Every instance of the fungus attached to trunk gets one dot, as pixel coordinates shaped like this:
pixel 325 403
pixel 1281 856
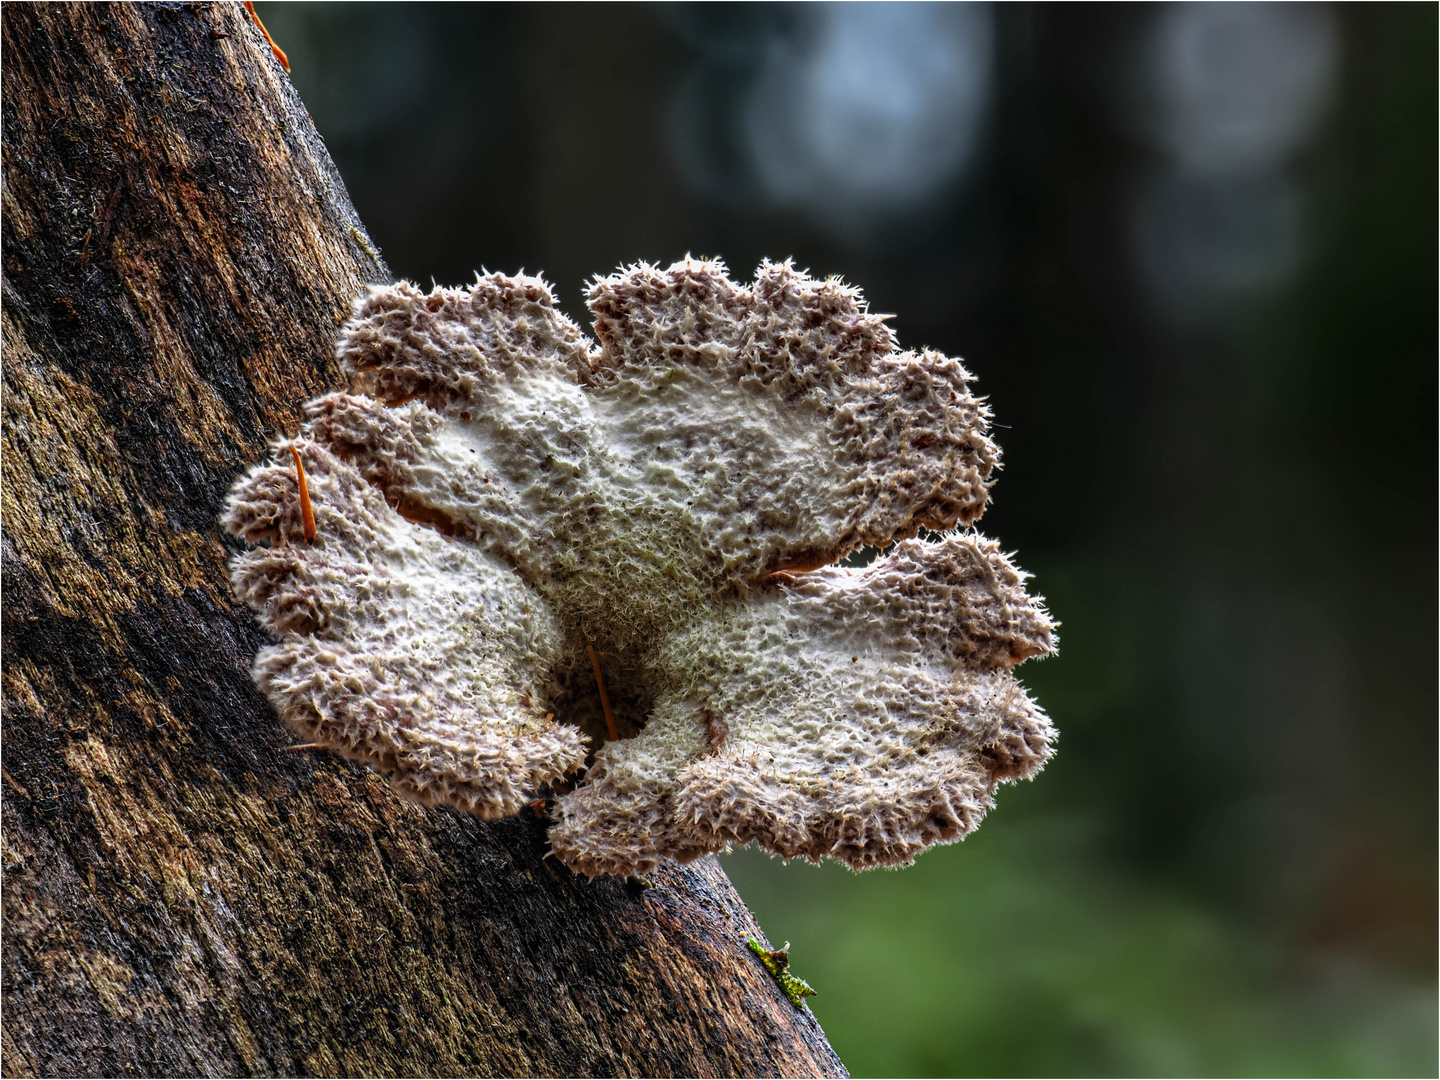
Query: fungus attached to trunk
pixel 506 514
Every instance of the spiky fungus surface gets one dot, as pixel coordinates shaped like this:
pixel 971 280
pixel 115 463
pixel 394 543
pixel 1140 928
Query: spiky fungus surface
pixel 497 494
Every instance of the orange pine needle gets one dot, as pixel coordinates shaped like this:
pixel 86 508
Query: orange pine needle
pixel 305 746
pixel 279 52
pixel 604 697
pixel 306 514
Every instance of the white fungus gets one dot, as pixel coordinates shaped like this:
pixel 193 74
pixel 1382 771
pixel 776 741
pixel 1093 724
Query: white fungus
pixel 498 495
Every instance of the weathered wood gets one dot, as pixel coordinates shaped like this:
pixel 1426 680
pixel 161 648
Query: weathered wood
pixel 181 896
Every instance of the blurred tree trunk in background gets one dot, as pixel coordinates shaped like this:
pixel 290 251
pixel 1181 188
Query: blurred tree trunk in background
pixel 181 897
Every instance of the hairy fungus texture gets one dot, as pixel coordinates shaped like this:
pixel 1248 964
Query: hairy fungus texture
pixel 497 497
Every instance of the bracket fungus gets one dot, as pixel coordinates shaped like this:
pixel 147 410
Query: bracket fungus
pixel 506 513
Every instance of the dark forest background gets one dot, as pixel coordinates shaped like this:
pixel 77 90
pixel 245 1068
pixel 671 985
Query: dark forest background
pixel 1190 253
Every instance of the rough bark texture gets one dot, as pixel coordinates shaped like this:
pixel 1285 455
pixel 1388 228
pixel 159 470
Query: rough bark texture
pixel 181 895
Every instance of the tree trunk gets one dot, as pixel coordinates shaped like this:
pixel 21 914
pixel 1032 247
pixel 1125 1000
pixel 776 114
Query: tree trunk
pixel 181 895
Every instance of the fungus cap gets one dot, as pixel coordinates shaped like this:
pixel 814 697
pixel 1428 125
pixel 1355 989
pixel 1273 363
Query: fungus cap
pixel 497 495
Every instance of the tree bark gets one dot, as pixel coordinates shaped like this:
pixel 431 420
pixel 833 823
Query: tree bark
pixel 181 895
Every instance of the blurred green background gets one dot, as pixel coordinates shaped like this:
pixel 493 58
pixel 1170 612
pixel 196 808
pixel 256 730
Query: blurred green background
pixel 1190 253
